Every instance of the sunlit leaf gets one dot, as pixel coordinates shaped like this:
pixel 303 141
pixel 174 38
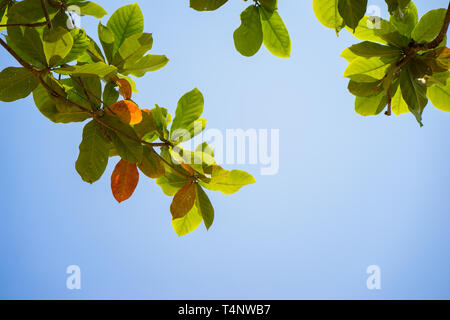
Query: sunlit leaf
pixel 188 223
pixel 327 13
pixel 275 34
pixel 189 108
pixel 125 22
pixel 439 96
pixel 429 26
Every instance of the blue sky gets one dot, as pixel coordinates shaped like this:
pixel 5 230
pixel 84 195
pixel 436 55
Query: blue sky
pixel 351 191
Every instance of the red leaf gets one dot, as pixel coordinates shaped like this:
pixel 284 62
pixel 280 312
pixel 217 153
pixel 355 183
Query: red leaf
pixel 124 180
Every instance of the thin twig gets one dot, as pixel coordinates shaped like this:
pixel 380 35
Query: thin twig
pixel 389 97
pixel 47 16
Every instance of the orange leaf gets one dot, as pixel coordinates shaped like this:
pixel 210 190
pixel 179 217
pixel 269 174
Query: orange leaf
pixel 124 180
pixel 127 111
pixel 124 88
pixel 183 201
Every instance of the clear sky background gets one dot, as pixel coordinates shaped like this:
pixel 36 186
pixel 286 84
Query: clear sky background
pixel 351 191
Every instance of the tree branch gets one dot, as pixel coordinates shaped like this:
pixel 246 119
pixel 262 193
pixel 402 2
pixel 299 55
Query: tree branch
pixel 38 73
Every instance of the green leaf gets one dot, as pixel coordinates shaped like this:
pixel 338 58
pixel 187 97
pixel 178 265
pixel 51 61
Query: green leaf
pixel 91 9
pixel 16 83
pixel 93 88
pixel 398 104
pixel 57 44
pixel 151 164
pixel 147 127
pixel 93 53
pixel 227 182
pixel 107 39
pixel 94 153
pixel 110 94
pixel 30 11
pixel 3 8
pixel 372 29
pixel 146 64
pixel 188 223
pixel 429 26
pixel 352 11
pixel 440 78
pixel 128 146
pixel 374 67
pixel 56 110
pixel 405 19
pixel 4 17
pixel 197 160
pixel 364 89
pixel 133 48
pixel 372 105
pixel 28 44
pixel 248 38
pixel 205 148
pixel 206 5
pixel 204 206
pixel 80 45
pixel 99 69
pixel 348 55
pixel 397 5
pixel 270 5
pixel 125 22
pixel 327 13
pixel 439 96
pixel 192 130
pixel 379 30
pixel 160 117
pixel 414 92
pixel 189 108
pixel 275 35
pixel 369 49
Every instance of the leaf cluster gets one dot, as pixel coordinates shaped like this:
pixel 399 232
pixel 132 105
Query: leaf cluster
pixel 73 79
pixel 260 24
pixel 401 63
